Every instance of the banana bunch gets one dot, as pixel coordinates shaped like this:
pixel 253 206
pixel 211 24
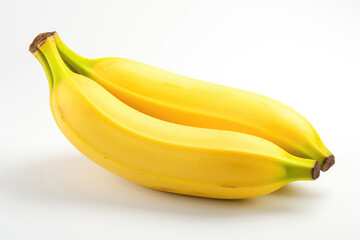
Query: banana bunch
pixel 174 133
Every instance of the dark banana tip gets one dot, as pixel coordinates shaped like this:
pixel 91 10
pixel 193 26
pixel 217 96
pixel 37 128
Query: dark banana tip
pixel 39 38
pixel 315 172
pixel 328 163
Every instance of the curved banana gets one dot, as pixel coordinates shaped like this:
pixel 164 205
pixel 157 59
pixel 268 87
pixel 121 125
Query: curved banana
pixel 159 154
pixel 175 98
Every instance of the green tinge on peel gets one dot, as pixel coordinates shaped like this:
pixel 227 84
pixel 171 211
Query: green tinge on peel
pixel 44 63
pixel 57 65
pixel 78 63
pixel 49 57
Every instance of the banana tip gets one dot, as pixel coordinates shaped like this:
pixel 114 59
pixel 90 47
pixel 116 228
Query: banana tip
pixel 328 163
pixel 39 38
pixel 316 171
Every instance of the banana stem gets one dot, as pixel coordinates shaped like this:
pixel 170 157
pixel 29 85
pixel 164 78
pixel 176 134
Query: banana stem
pixel 58 68
pixel 81 64
pixel 302 169
pixel 42 59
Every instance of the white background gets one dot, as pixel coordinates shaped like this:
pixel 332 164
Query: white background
pixel 303 53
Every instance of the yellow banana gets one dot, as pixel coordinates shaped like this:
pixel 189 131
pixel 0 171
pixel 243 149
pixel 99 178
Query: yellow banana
pixel 158 154
pixel 178 99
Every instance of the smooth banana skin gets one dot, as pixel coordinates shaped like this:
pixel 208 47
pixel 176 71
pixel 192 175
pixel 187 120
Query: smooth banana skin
pixel 158 154
pixel 178 99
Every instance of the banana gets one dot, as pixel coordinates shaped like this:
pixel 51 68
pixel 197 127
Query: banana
pixel 178 99
pixel 158 154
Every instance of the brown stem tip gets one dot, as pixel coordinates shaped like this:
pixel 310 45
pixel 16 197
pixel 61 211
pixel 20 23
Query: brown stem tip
pixel 328 163
pixel 315 172
pixel 39 38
